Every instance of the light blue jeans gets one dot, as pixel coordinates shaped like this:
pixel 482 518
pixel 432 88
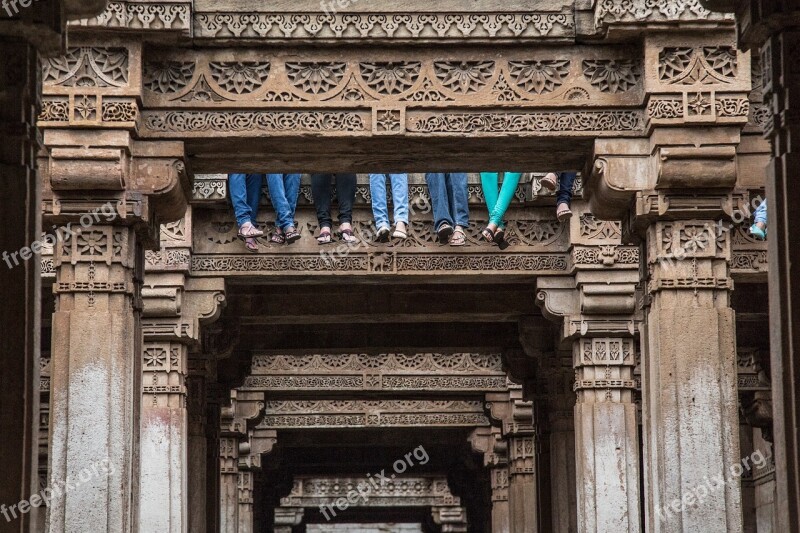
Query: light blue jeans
pixel 380 209
pixel 283 191
pixel 245 191
pixel 761 213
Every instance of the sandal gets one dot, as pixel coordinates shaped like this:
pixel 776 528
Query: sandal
pixel 444 233
pixel 292 235
pixel 563 212
pixel 382 235
pixel 325 236
pixel 487 235
pixel 459 238
pixel 347 236
pixel 550 181
pixel 251 244
pixel 249 231
pixel 278 238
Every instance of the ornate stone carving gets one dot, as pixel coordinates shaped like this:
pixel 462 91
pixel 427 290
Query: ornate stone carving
pixel 539 77
pixel 387 78
pixel 310 491
pixel 142 16
pixel 610 11
pixel 265 121
pixel 165 77
pixel 706 65
pixel 522 123
pixel 612 75
pixel 464 77
pixel 87 67
pixel 372 413
pixel 242 77
pixel 385 26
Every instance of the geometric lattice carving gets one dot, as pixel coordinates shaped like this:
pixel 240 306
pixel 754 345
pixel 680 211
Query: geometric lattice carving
pixel 400 491
pixel 706 65
pixel 87 67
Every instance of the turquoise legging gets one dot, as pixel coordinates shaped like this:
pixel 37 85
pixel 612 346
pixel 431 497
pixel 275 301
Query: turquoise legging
pixel 499 198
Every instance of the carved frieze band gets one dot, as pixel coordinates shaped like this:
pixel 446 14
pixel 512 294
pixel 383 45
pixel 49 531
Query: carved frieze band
pixel 646 11
pixel 372 413
pixel 401 491
pixel 175 16
pixel 396 27
pixel 383 371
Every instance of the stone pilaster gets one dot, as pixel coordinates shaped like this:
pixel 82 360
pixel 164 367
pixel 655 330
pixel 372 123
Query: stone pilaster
pixel 286 518
pixel 489 442
pixel 517 429
pixel 596 310
pixel 197 449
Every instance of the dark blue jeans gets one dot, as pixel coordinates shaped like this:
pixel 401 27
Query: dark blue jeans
pixel 245 191
pixel 566 180
pixel 345 195
pixel 449 199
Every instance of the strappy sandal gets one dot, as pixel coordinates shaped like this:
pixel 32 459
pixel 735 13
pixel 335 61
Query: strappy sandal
pixel 550 181
pixel 444 233
pixel 249 231
pixel 347 236
pixel 278 238
pixel 325 236
pixel 251 244
pixel 487 235
pixel 459 238
pixel 563 212
pixel 500 238
pixel 292 235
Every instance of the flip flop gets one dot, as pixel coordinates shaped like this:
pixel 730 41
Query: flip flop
pixel 444 233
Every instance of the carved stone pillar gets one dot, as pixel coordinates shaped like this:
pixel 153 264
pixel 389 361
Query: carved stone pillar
pixel 175 307
pixel 597 312
pixel 779 61
pixel 489 442
pixel 244 407
pixel 561 405
pixel 20 288
pixel 450 519
pixel 197 445
pixel 245 502
pixel 516 417
pixel 688 373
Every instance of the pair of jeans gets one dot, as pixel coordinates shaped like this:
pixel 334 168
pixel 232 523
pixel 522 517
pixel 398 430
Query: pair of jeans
pixel 283 191
pixel 380 209
pixel 245 191
pixel 449 198
pixel 565 182
pixel 761 213
pixel 499 198
pixel 345 195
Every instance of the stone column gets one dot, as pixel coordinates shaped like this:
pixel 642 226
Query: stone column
pixel 95 380
pixel 175 307
pixel 561 405
pixel 596 310
pixel 286 518
pixel 489 442
pixel 20 288
pixel 197 449
pixel 522 489
pixel 688 374
pixel 782 96
pixel 228 484
pixel 450 519
pixel 245 502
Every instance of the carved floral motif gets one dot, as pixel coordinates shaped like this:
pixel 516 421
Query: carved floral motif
pixel 87 67
pixel 165 77
pixel 612 75
pixel 242 77
pixel 706 65
pixel 543 76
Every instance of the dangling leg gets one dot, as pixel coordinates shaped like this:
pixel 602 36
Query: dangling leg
pixel 507 192
pixel 490 194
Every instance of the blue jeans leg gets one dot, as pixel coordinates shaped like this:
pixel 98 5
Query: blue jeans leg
pixel 457 190
pixel 439 199
pixel 245 191
pixel 380 209
pixel 400 197
pixel 565 182
pixel 283 192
